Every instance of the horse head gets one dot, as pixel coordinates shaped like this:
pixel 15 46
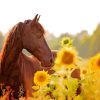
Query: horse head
pixel 33 40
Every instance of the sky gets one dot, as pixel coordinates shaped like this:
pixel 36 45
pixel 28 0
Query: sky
pixel 57 16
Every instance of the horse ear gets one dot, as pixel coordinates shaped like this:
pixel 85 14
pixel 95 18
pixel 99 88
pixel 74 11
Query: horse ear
pixel 36 19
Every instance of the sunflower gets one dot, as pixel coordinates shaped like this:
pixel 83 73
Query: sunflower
pixel 94 62
pixel 66 41
pixel 41 78
pixel 66 56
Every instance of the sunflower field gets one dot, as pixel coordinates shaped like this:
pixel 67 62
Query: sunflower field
pixel 73 77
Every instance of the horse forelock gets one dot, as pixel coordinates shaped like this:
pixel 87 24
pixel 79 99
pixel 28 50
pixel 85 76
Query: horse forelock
pixel 27 21
pixel 37 24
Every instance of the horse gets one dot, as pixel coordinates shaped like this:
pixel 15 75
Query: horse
pixel 15 67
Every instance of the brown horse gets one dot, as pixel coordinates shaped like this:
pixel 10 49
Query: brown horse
pixel 17 68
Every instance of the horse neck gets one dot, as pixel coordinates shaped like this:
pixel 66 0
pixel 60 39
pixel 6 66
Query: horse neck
pixel 11 50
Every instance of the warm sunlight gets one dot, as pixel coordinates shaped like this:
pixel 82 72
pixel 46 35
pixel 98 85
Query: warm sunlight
pixel 49 50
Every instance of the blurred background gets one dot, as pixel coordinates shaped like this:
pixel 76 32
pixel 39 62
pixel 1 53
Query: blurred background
pixel 77 19
pixel 87 45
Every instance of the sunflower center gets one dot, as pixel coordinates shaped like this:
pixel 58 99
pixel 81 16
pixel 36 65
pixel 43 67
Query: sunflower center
pixel 41 78
pixel 66 41
pixel 67 58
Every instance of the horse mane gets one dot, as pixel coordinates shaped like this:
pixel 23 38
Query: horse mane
pixel 13 37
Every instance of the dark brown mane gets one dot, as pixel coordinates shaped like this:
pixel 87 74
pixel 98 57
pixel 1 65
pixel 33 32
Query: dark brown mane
pixel 10 42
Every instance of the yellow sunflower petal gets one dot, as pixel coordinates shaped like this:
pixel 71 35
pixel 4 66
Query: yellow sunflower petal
pixel 41 78
pixel 94 62
pixel 66 56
